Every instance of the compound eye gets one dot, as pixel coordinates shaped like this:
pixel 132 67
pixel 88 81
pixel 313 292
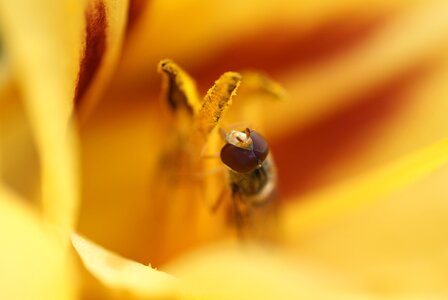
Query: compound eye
pixel 260 145
pixel 238 159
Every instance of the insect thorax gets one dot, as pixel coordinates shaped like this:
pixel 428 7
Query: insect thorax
pixel 254 187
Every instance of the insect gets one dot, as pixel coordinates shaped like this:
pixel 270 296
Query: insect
pixel 184 173
pixel 252 180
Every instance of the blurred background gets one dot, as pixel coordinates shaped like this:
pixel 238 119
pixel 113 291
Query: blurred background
pixel 366 84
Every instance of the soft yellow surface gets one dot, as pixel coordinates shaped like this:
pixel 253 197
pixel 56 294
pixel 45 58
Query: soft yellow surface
pixel 122 275
pixel 327 204
pixel 233 271
pixel 33 263
pixel 42 39
pixel 394 247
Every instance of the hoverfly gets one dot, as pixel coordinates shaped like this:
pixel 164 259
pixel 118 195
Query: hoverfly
pixel 251 175
pixel 252 179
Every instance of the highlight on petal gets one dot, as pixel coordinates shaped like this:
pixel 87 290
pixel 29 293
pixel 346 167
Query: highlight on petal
pixel 324 206
pixel 233 271
pixel 120 275
pixel 225 271
pixel 43 42
pixel 33 263
pixel 396 246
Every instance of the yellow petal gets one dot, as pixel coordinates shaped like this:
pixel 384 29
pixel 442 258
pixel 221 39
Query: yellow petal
pixel 353 271
pixel 391 120
pixel 234 271
pixel 74 47
pixel 43 42
pixel 34 265
pixel 18 152
pixel 104 144
pixel 183 36
pixel 123 276
pixel 19 162
pixel 414 38
pixel 327 205
pixel 393 247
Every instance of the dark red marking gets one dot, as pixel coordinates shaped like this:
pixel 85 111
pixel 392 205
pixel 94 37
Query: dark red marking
pixel 285 49
pixel 136 8
pixel 275 49
pixel 305 156
pixel 95 47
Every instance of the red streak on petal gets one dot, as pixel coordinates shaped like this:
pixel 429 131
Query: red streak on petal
pixel 95 47
pixel 276 48
pixel 136 8
pixel 304 156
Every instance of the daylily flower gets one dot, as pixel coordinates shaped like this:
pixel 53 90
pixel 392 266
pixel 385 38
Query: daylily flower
pixel 89 208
